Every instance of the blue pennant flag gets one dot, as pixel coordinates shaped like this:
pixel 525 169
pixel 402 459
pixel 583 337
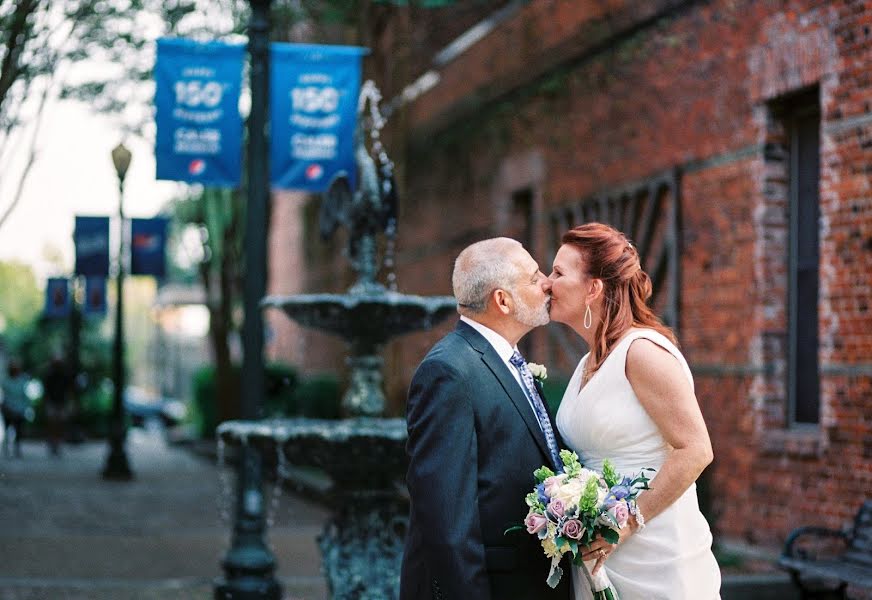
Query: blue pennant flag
pixel 313 102
pixel 91 237
pixel 148 246
pixel 199 128
pixel 57 297
pixel 95 296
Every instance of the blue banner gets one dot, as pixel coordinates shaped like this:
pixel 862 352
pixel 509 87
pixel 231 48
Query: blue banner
pixel 95 296
pixel 57 297
pixel 91 238
pixel 199 128
pixel 148 246
pixel 313 102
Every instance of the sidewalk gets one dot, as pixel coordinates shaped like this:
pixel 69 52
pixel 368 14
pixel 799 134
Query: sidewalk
pixel 67 534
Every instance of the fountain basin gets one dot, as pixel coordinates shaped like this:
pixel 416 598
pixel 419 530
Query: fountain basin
pixel 374 317
pixel 356 454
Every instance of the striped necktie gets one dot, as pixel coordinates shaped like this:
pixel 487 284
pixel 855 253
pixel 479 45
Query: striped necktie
pixel 538 407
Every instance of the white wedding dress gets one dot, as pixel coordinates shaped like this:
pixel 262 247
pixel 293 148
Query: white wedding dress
pixel 671 557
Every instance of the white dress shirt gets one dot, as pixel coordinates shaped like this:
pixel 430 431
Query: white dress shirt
pixel 505 351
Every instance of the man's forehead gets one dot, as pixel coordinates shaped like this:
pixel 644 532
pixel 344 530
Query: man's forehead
pixel 526 262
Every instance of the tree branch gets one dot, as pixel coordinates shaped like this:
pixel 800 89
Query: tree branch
pixel 10 67
pixel 31 157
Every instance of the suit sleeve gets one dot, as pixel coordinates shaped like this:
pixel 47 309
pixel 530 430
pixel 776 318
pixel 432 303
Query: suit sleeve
pixel 443 480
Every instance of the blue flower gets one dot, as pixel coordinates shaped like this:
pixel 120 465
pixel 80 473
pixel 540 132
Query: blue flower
pixel 620 491
pixel 543 497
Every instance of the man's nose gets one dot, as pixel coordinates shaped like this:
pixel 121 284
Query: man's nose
pixel 546 284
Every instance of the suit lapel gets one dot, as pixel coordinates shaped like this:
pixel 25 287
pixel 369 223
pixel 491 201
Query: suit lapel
pixel 508 382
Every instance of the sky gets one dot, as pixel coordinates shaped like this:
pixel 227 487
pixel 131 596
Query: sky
pixel 73 174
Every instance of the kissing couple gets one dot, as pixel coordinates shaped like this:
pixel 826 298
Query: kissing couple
pixel 479 426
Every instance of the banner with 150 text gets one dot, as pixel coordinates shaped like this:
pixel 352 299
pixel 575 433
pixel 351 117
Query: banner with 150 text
pixel 199 128
pixel 313 105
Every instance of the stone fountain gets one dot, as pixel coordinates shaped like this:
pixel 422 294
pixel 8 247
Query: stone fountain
pixel 362 453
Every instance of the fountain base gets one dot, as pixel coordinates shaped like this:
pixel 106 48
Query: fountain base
pixel 364 459
pixel 362 547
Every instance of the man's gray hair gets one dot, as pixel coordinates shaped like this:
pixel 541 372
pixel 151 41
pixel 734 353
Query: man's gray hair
pixel 482 268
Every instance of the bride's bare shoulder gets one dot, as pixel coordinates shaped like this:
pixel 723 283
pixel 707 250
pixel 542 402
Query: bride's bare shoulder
pixel 649 361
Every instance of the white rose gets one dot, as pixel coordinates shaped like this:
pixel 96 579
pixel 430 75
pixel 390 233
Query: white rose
pixel 586 474
pixel 569 492
pixel 538 371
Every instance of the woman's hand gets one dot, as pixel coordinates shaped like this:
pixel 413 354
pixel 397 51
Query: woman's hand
pixel 600 549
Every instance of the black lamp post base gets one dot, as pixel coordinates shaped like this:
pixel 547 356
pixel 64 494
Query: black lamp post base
pixel 117 468
pixel 248 588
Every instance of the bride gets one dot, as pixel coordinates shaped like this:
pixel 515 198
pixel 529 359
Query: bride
pixel 631 400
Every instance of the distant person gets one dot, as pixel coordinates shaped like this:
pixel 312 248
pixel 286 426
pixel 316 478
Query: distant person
pixel 14 408
pixel 57 383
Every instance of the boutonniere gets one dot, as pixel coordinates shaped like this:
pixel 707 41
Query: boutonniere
pixel 539 372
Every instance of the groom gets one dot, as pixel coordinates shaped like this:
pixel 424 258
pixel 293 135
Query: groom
pixel 478 429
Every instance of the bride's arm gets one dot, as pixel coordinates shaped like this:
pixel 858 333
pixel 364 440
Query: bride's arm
pixel 665 392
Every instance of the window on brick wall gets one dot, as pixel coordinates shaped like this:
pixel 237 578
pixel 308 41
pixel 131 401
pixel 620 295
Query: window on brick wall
pixel 801 120
pixel 520 227
pixel 520 223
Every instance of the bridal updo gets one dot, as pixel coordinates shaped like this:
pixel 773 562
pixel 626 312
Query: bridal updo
pixel 608 255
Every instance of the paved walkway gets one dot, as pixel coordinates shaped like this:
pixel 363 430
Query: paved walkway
pixel 67 534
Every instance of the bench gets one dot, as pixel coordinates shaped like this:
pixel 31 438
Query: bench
pixel 852 566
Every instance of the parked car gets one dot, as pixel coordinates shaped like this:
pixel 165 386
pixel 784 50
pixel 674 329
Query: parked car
pixel 143 407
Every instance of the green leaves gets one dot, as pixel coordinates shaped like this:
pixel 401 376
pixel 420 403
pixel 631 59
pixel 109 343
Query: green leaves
pixel 610 535
pixel 610 476
pixel 590 496
pixel 641 481
pixel 570 462
pixel 542 473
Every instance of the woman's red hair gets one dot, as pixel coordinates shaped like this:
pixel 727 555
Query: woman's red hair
pixel 608 255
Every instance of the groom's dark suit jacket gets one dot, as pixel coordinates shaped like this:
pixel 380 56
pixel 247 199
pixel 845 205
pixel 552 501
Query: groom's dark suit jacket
pixel 473 445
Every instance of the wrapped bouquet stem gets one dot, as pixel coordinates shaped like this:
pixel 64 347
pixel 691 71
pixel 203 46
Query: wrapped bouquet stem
pixel 569 510
pixel 600 584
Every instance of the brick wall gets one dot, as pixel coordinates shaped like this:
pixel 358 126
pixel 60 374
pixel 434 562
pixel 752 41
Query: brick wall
pixel 611 93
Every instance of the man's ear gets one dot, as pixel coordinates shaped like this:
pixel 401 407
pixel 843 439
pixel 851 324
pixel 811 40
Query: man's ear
pixel 502 300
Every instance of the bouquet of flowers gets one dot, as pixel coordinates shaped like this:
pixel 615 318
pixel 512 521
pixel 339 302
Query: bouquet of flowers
pixel 569 510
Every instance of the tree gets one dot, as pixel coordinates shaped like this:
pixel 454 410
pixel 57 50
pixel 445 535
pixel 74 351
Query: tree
pixel 219 216
pixel 42 41
pixel 20 301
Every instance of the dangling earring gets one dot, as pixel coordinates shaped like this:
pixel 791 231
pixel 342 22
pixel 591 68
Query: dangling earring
pixel 588 318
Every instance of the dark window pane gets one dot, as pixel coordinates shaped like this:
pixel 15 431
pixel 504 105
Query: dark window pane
pixel 803 124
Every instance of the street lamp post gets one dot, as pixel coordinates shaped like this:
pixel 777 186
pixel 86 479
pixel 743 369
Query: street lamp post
pixel 249 565
pixel 74 359
pixel 117 467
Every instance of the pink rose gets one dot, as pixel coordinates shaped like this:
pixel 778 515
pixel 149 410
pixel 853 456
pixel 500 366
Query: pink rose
pixel 535 522
pixel 620 513
pixel 556 507
pixel 553 483
pixel 572 529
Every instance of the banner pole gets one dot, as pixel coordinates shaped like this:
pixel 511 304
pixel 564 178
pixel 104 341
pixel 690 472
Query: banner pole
pixel 249 565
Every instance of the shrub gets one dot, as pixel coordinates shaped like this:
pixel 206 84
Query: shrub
pixel 280 382
pixel 318 397
pixel 96 407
